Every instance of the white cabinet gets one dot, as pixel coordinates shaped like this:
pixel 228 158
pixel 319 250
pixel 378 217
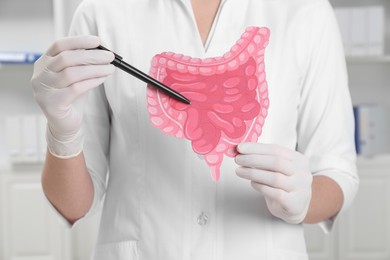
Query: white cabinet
pixel 369 76
pixel 363 232
pixel 29 229
pixel 33 25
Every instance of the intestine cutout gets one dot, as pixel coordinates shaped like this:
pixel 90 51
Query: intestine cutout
pixel 229 97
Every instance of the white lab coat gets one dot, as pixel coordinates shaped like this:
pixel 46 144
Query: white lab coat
pixel 159 199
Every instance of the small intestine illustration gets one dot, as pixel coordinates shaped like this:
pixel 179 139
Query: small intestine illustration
pixel 229 97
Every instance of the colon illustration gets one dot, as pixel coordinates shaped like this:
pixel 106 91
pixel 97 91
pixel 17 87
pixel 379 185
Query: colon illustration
pixel 229 97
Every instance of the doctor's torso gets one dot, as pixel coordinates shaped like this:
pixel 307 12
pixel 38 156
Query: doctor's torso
pixel 160 200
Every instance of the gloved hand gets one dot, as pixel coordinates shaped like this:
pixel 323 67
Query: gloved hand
pixel 282 175
pixel 61 78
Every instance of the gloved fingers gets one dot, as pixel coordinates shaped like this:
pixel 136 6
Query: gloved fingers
pixel 73 43
pixel 271 179
pixel 266 149
pixel 277 195
pixel 67 96
pixel 52 101
pixel 289 206
pixel 80 88
pixel 281 200
pixel 72 75
pixel 272 157
pixel 62 102
pixel 73 58
pixel 266 162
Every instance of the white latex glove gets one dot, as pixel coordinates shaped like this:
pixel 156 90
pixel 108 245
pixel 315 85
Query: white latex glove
pixel 282 175
pixel 61 78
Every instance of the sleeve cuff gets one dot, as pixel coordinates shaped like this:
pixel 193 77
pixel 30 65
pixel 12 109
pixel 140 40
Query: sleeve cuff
pixel 327 225
pixel 64 150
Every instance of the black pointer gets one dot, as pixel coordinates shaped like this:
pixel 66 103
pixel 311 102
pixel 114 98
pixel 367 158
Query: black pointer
pixel 119 63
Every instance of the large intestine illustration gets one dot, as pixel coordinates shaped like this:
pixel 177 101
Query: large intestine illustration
pixel 229 97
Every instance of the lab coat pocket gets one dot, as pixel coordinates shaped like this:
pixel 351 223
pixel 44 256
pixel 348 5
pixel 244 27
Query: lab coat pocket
pixel 125 250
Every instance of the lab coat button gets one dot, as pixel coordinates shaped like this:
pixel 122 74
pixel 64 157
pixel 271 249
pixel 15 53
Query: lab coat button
pixel 202 219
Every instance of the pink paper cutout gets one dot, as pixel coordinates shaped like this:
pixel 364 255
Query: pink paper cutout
pixel 229 97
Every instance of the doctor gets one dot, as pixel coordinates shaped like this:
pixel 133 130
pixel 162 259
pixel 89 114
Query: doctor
pixel 159 201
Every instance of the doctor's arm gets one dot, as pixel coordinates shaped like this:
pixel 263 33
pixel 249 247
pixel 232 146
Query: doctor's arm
pixel 326 201
pixel 318 180
pixel 68 186
pixel 62 77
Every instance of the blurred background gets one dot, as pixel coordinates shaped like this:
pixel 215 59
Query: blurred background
pixel 29 230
